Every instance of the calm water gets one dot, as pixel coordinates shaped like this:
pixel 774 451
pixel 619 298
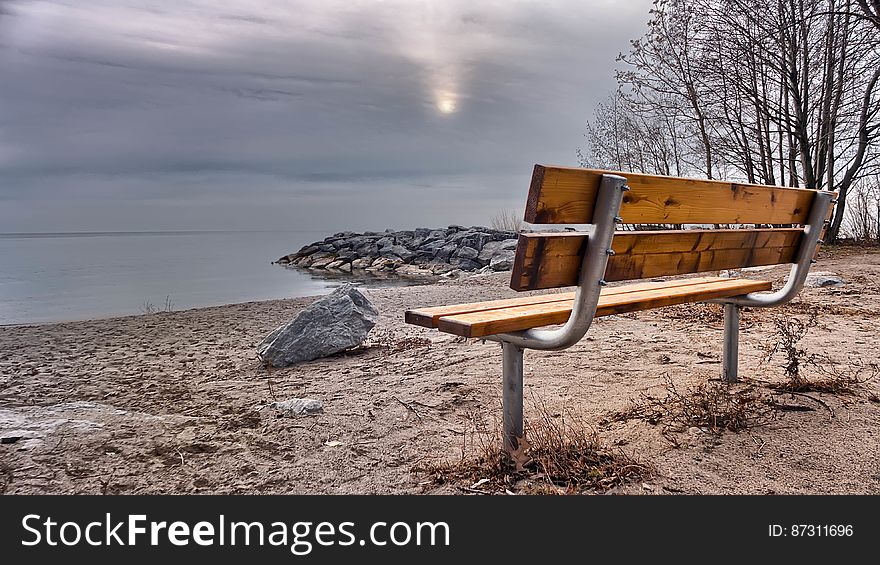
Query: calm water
pixel 59 277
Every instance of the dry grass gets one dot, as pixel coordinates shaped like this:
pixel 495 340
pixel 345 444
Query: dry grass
pixel 830 377
pixel 393 342
pixel 715 406
pixel 564 457
pixel 711 315
pixel 789 333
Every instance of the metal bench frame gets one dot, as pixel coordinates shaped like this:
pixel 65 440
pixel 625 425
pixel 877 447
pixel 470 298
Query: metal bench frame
pixel 605 219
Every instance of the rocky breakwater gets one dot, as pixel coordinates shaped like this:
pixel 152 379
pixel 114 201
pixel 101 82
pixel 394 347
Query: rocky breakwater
pixel 421 251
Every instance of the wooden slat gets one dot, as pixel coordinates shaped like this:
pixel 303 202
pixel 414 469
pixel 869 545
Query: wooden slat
pixel 561 195
pixel 429 317
pixel 480 324
pixel 552 260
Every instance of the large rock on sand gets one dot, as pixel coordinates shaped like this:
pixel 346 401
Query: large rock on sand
pixel 340 320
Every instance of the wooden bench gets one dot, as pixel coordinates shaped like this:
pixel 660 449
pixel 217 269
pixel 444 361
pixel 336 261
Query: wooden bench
pixel 596 203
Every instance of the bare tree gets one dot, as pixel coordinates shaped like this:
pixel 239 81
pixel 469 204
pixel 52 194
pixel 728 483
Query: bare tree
pixel 665 68
pixel 863 213
pixel 782 93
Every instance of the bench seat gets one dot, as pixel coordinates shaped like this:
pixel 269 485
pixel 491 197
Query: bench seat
pixel 481 319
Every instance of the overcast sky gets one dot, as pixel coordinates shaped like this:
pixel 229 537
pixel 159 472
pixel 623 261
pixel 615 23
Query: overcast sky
pixel 300 114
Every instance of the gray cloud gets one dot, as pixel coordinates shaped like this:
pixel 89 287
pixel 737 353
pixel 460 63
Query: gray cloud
pixel 329 114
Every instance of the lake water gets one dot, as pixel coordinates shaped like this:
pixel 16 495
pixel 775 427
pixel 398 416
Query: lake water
pixel 62 277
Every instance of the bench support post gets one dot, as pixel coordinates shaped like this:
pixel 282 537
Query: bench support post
pixel 731 343
pixel 512 397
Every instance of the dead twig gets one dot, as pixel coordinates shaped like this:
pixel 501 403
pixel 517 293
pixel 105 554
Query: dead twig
pixel 813 398
pixel 408 407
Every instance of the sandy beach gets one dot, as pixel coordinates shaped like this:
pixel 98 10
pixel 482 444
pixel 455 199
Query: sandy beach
pixel 180 403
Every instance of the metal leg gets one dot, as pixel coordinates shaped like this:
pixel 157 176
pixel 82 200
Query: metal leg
pixel 731 343
pixel 512 397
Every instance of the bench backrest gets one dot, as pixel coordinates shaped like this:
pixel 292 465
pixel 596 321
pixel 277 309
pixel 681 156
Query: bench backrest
pixel 566 196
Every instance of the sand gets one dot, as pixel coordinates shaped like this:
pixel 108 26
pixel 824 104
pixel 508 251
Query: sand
pixel 179 402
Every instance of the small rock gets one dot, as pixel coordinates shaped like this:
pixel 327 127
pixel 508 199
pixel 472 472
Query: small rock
pixel 299 407
pixel 822 280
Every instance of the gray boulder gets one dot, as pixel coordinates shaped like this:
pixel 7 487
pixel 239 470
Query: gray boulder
pixel 445 252
pixel 347 255
pixel 403 237
pixel 502 261
pixel 430 249
pixel 435 235
pixel 334 323
pixel 397 252
pixel 488 251
pixel 360 241
pixel 369 250
pixel 465 264
pixel 471 238
pixel 466 253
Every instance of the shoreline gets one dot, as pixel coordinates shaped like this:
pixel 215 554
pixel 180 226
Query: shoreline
pixel 355 278
pixel 180 403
